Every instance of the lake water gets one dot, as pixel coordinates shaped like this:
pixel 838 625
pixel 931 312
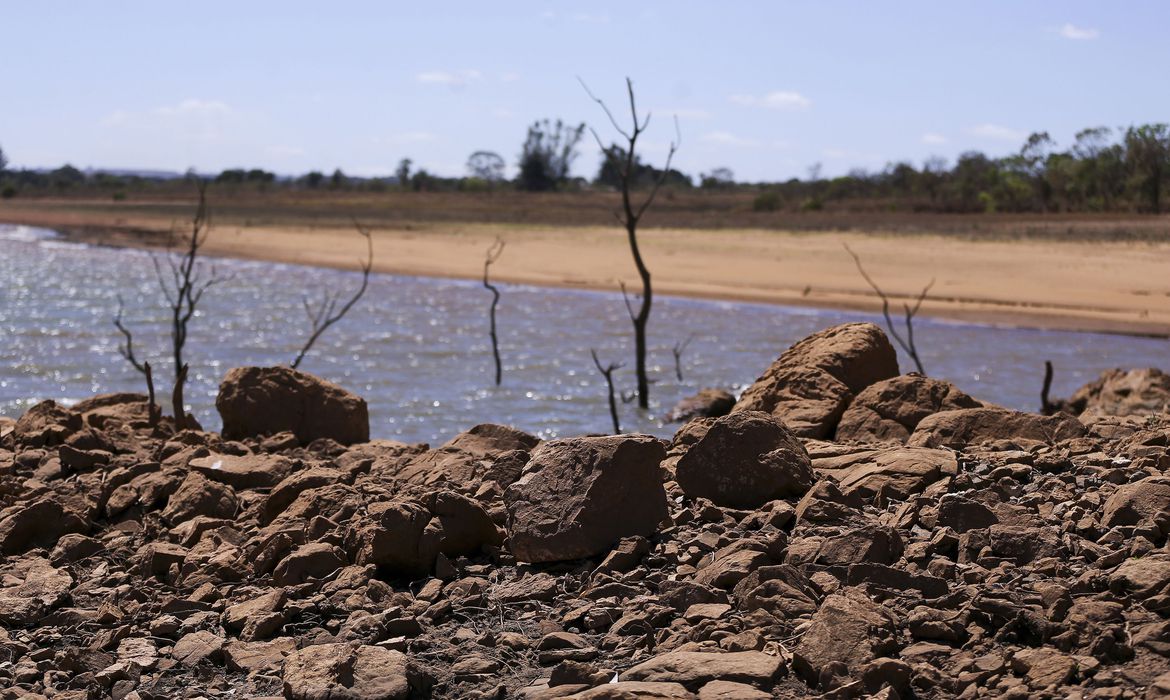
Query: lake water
pixel 417 348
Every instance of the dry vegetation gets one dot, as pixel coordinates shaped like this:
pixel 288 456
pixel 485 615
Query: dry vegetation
pixel 247 207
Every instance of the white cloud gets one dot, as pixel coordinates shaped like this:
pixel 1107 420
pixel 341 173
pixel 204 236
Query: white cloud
pixel 997 132
pixel 777 99
pixel 194 107
pixel 1072 31
pixel 726 138
pixel 933 139
pixel 453 80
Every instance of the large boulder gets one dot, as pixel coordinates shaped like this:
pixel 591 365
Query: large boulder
pixel 342 671
pixel 405 537
pixel 1138 502
pixel 578 496
pixel 471 457
pixel 259 401
pixel 1121 392
pixel 890 473
pixel 891 409
pixel 46 424
pixel 745 460
pixel 811 384
pixel 846 633
pixel 973 426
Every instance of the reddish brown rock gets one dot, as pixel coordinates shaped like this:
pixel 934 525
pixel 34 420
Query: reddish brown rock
pixel 708 403
pixel 1138 502
pixel 260 401
pixel 891 409
pixel 745 460
pixel 579 496
pixel 470 457
pixel 974 426
pixel 1120 392
pixel 198 495
pixel 37 524
pixel 345 672
pixel 811 384
pixel 846 633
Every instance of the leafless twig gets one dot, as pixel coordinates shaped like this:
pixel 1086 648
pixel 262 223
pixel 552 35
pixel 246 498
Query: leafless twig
pixel 126 349
pixel 677 351
pixel 906 343
pixel 607 372
pixel 327 313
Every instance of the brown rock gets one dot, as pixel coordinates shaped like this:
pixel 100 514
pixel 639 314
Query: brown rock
pixel 309 561
pixel 46 424
pixel 811 384
pixel 258 657
pixel 973 426
pixel 404 538
pixel 259 401
pixel 745 460
pixel 38 524
pixel 1120 392
pixel 708 403
pixel 198 495
pixel 1138 502
pixel 244 471
pixel 729 690
pixel 468 457
pixel 891 409
pixel 39 590
pixel 694 669
pixel 844 635
pixel 579 496
pixel 345 672
pixel 635 690
pixel 1142 577
pixel 198 647
pixel 896 473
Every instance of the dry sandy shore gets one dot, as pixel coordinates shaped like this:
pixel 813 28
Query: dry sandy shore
pixel 1121 287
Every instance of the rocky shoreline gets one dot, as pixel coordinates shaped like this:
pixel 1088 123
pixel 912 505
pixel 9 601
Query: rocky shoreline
pixel 845 531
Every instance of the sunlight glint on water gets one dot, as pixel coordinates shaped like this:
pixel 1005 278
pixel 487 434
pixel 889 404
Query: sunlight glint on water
pixel 417 348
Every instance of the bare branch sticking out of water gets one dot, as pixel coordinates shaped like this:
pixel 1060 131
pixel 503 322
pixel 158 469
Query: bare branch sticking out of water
pixel 907 344
pixel 326 313
pixel 607 372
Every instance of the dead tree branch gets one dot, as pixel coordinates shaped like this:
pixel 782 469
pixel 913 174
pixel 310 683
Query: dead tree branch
pixel 493 254
pixel 630 214
pixel 126 349
pixel 327 313
pixel 907 344
pixel 182 420
pixel 182 285
pixel 153 410
pixel 1047 406
pixel 677 351
pixel 607 372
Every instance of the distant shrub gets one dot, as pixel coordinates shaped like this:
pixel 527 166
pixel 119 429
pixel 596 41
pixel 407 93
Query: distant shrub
pixel 119 196
pixel 8 192
pixel 768 200
pixel 987 202
pixel 812 204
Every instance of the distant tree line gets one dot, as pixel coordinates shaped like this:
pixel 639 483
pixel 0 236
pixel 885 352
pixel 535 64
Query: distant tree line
pixel 1103 170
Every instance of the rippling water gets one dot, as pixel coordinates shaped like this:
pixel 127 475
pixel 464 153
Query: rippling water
pixel 417 348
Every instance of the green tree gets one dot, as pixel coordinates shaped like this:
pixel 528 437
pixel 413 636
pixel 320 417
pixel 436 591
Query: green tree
pixel 338 180
pixel 1147 150
pixel 3 160
pixel 547 155
pixel 486 165
pixel 403 173
pixel 314 179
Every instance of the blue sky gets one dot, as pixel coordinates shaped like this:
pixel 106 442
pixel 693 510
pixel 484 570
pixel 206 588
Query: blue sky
pixel 765 88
